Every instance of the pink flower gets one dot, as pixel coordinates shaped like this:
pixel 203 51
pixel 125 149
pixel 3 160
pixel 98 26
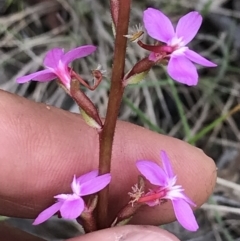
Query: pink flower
pixel 180 67
pixel 165 180
pixel 72 205
pixel 56 63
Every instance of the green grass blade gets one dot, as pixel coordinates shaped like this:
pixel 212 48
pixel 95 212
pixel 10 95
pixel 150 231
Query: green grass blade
pixel 182 115
pixel 142 116
pixel 212 125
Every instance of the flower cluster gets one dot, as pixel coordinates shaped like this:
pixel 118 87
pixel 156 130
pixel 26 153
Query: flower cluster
pixel 166 189
pixel 71 206
pixel 171 47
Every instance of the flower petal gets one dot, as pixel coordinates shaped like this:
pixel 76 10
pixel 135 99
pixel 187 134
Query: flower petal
pixel 72 208
pixel 177 192
pixel 47 213
pixel 77 53
pixel 94 185
pixel 183 196
pixel 182 70
pixel 153 203
pixel 86 177
pixel 158 25
pixel 166 164
pixel 42 76
pixel 53 57
pixel 197 58
pixel 188 200
pixel 188 26
pixel 152 172
pixel 185 215
pixel 152 57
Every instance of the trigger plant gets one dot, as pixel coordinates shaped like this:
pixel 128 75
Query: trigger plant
pixel 87 199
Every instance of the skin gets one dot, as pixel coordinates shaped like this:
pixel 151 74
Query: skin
pixel 42 147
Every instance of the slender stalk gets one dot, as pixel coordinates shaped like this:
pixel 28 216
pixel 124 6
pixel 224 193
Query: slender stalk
pixel 115 98
pixel 114 7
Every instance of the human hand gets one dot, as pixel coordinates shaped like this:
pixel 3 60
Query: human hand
pixel 43 147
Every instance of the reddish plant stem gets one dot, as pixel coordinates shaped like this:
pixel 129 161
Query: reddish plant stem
pixel 97 75
pixel 156 48
pixel 114 7
pixel 151 197
pixel 114 102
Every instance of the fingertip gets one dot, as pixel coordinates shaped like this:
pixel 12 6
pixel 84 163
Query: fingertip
pixel 128 233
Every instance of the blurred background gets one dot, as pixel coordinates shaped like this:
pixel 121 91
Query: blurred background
pixel 206 115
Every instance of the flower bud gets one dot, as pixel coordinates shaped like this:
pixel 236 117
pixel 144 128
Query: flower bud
pixel 138 72
pixel 88 110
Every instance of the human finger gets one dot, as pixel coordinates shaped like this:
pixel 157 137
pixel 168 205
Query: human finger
pixel 128 233
pixel 42 148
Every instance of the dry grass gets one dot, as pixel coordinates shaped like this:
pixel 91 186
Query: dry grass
pixel 28 31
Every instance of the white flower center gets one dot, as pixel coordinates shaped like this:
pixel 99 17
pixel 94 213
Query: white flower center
pixel 173 191
pixel 76 187
pixel 178 45
pixel 176 42
pixel 63 74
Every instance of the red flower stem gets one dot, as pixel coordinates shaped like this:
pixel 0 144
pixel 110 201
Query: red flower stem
pixel 97 75
pixel 156 48
pixel 114 102
pixel 151 197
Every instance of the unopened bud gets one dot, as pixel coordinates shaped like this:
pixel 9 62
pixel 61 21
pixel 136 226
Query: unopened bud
pixel 138 72
pixel 126 214
pixel 135 79
pixel 90 121
pixel 88 110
